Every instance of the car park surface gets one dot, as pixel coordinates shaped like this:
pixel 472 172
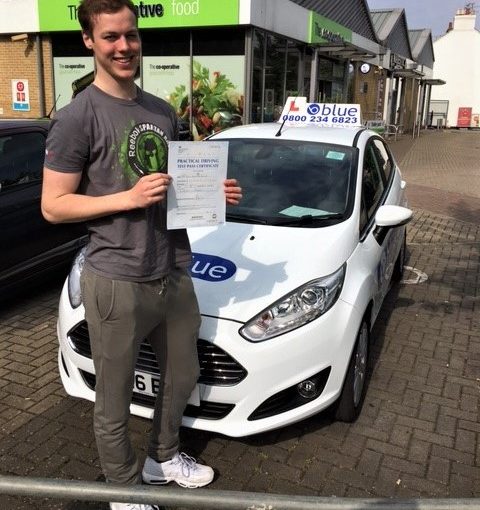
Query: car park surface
pixel 31 247
pixel 289 288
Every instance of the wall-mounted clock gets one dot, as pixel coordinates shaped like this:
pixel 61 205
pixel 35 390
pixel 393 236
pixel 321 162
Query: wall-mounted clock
pixel 365 68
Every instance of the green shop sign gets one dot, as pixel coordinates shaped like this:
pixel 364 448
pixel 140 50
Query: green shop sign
pixel 61 15
pixel 324 30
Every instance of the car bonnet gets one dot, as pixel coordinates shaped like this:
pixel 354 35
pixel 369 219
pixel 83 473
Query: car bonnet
pixel 239 269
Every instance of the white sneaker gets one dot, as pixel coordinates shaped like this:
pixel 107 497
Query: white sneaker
pixel 181 469
pixel 132 506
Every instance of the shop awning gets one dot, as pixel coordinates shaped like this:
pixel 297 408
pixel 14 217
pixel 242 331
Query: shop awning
pixel 408 73
pixel 344 49
pixel 433 81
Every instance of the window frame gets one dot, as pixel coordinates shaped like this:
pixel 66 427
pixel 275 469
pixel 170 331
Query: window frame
pixel 34 175
pixel 366 224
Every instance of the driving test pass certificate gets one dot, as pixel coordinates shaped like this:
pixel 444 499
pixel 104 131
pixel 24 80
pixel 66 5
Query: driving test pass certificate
pixel 196 197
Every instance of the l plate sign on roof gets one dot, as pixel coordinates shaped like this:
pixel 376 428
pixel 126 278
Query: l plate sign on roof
pixel 298 112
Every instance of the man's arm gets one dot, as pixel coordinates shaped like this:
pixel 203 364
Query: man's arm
pixel 62 204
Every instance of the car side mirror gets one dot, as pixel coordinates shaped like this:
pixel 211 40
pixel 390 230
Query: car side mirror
pixel 390 216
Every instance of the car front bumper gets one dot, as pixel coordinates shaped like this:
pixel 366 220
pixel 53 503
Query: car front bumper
pixel 266 396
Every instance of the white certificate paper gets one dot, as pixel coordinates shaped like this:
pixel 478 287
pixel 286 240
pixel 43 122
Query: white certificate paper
pixel 196 196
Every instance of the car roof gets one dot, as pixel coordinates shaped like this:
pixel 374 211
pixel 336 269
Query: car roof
pixel 332 135
pixel 11 124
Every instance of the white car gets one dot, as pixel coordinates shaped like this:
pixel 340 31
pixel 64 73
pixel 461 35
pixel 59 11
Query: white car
pixel 289 287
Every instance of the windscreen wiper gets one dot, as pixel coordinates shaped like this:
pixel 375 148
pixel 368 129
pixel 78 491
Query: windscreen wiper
pixel 306 219
pixel 244 218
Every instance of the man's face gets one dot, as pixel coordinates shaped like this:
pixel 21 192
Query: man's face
pixel 116 44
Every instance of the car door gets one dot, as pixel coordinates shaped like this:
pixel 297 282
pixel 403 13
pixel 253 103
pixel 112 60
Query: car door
pixel 377 181
pixel 21 225
pixel 28 241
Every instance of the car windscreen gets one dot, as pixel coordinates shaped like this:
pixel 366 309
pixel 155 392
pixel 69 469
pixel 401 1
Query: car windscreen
pixel 290 182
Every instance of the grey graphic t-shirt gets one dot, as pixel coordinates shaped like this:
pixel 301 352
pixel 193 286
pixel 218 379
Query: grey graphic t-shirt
pixel 113 142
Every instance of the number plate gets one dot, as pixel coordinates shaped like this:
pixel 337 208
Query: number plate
pixel 148 384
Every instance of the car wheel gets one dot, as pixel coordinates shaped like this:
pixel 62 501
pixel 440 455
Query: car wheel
pixel 398 270
pixel 350 402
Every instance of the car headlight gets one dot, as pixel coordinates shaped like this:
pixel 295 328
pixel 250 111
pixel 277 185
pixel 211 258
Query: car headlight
pixel 74 291
pixel 301 306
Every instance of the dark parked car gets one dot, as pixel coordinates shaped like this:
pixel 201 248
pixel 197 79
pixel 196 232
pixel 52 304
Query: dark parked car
pixel 30 246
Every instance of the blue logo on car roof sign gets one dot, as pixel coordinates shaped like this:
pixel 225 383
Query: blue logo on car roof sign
pixel 211 268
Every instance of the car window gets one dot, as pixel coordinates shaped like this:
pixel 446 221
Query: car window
pixel 373 183
pixel 290 179
pixel 383 158
pixel 21 158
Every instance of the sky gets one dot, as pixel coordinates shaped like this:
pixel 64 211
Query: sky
pixel 433 14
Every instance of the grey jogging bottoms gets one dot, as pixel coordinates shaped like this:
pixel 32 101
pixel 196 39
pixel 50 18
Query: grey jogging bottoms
pixel 120 315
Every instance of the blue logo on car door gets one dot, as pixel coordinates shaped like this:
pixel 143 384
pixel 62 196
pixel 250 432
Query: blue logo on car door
pixel 211 268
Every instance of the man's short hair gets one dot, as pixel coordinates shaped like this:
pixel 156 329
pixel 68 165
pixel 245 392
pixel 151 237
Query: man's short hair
pixel 90 9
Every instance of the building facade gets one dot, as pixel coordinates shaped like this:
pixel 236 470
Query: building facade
pixel 457 57
pixel 218 66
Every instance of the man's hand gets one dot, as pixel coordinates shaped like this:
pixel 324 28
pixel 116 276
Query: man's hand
pixel 62 204
pixel 149 189
pixel 233 192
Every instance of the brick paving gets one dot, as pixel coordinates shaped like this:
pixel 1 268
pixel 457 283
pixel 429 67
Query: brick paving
pixel 442 169
pixel 419 432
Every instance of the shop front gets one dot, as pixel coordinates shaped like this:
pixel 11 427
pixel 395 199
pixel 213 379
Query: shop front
pixel 216 67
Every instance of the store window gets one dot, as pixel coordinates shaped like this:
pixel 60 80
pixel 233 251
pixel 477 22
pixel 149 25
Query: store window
pixel 331 81
pixel 307 67
pixel 206 86
pixel 258 43
pixel 218 80
pixel 170 43
pixel 280 68
pixel 166 67
pixel 294 74
pixel 219 41
pixel 71 62
pixel 275 70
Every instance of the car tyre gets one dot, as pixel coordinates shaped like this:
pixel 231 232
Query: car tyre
pixel 399 268
pixel 351 399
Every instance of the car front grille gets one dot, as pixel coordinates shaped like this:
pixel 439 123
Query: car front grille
pixel 217 368
pixel 207 410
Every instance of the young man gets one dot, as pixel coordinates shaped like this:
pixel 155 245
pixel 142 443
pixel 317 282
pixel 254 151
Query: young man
pixel 106 164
